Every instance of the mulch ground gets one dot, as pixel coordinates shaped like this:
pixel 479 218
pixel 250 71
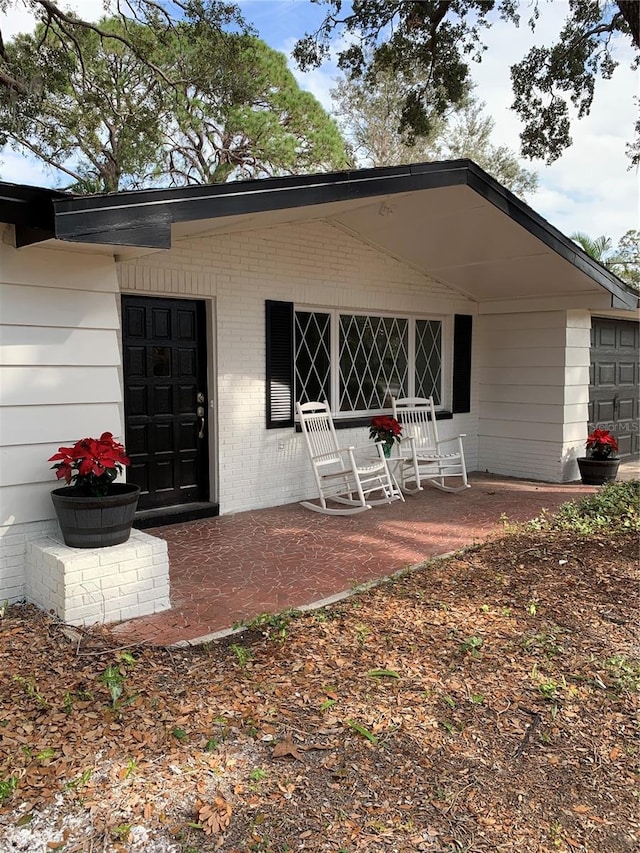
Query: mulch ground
pixel 486 702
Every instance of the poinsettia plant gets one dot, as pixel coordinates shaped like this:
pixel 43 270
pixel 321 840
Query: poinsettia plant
pixel 601 444
pixel 385 428
pixel 92 464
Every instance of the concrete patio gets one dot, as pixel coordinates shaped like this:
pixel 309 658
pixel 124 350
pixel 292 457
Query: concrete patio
pixel 230 569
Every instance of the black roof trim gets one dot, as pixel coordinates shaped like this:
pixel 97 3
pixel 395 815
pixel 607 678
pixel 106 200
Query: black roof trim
pixel 144 217
pixel 126 217
pixel 30 209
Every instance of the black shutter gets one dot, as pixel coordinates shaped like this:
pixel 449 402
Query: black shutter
pixel 279 349
pixel 462 328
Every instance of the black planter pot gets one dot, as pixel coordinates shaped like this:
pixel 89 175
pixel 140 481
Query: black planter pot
pixel 597 472
pixel 88 522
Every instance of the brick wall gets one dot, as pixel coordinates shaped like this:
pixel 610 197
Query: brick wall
pixel 310 264
pixel 98 584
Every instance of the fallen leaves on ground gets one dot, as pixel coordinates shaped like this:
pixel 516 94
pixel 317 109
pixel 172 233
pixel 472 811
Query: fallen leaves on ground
pixel 485 702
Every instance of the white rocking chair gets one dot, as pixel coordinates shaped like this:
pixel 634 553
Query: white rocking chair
pixel 338 476
pixel 423 455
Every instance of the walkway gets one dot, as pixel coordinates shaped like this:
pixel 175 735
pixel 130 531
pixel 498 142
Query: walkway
pixel 232 568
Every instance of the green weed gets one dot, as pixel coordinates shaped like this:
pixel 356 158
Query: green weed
pixel 472 646
pixel 548 689
pixel 79 781
pixel 625 672
pixel 131 768
pixel 383 673
pixel 7 787
pixel 122 832
pixel 258 774
pixel 46 754
pixel 243 655
pixel 273 625
pixel 31 690
pixel 362 730
pixel 113 678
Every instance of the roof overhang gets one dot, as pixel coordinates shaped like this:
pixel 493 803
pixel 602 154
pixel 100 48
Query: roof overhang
pixel 449 220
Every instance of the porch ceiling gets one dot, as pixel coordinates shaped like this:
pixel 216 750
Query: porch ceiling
pixel 451 234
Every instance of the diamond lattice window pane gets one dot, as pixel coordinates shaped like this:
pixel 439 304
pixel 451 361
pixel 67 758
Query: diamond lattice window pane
pixel 428 374
pixel 312 356
pixel 373 361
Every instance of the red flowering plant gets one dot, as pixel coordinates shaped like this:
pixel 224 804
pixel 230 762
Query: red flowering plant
pixel 92 464
pixel 386 429
pixel 601 444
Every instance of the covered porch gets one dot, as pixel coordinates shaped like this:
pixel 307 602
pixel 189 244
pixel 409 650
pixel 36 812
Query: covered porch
pixel 230 569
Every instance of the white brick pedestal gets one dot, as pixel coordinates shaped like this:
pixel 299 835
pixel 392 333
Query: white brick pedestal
pixel 88 585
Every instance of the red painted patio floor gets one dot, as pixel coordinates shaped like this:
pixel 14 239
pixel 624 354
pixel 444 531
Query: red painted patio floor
pixel 229 569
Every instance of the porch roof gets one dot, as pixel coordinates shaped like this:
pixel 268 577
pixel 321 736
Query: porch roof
pixel 450 220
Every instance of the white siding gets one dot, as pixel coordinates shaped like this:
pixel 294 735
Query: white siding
pixel 60 380
pixel 533 378
pixel 311 264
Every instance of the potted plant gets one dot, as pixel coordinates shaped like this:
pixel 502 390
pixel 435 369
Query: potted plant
pixel 600 465
pixel 386 429
pixel 92 510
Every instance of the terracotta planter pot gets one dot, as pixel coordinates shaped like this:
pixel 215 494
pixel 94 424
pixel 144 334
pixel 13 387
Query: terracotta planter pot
pixel 88 522
pixel 597 472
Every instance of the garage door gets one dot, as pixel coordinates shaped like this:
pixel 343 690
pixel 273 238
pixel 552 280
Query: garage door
pixel 614 395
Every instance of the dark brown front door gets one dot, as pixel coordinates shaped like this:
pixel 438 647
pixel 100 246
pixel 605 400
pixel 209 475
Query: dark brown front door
pixel 165 399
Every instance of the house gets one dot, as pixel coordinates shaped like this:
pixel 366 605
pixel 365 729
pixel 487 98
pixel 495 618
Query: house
pixel 187 322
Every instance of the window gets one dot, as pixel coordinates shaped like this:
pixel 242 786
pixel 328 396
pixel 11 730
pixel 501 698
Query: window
pixel 359 361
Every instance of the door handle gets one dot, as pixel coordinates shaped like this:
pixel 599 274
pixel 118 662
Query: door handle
pixel 200 414
pixel 615 408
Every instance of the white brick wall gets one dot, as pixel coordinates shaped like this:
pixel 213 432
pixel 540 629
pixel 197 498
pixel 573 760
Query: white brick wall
pixel 85 586
pixel 13 547
pixel 310 264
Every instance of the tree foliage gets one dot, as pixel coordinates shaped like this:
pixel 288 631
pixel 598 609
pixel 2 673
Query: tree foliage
pixel 623 260
pixel 370 120
pixel 61 34
pixel 441 37
pixel 232 109
pixel 259 122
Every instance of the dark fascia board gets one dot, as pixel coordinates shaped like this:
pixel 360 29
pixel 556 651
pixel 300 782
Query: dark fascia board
pixel 124 218
pixel 144 217
pixel 30 210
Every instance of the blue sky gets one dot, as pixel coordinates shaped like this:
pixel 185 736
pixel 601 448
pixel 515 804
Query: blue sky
pixel 589 189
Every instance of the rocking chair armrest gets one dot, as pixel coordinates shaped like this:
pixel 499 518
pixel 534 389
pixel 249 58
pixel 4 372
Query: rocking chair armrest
pixel 450 440
pixel 331 453
pixel 410 438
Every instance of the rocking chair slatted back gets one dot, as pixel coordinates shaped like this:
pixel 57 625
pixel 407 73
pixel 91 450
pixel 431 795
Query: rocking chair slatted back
pixel 339 478
pixel 426 455
pixel 319 433
pixel 418 418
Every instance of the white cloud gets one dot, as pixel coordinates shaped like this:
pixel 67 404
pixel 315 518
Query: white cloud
pixel 18 169
pixel 590 187
pixel 19 18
